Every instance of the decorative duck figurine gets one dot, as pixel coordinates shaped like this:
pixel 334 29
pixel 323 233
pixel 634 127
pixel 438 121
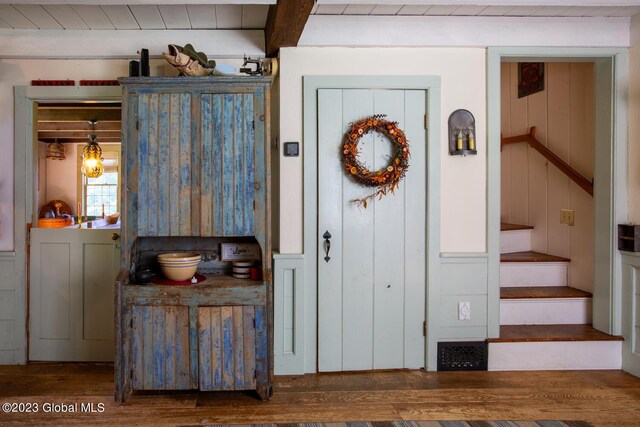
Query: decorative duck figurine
pixel 188 61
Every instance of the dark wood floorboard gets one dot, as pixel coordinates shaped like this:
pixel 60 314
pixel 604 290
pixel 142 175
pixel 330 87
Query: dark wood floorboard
pixel 518 292
pixel 512 227
pixel 604 398
pixel 524 333
pixel 531 256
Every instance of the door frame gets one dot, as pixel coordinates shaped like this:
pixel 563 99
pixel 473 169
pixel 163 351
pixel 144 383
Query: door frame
pixel 25 160
pixel 311 85
pixel 611 160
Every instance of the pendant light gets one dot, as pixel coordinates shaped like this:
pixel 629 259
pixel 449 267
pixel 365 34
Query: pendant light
pixel 92 156
pixel 55 151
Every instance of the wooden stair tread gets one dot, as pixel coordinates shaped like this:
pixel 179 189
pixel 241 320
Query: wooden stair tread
pixel 522 292
pixel 531 256
pixel 512 227
pixel 544 333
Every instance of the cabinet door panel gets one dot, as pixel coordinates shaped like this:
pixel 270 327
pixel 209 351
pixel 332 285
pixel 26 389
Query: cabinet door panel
pixel 164 164
pixel 160 347
pixel 227 169
pixel 226 338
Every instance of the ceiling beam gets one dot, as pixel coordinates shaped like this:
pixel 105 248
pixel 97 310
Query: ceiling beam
pixel 285 23
pixel 71 115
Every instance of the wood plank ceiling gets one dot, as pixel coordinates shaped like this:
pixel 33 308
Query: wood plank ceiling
pixel 333 8
pixel 70 123
pixel 165 16
pixel 133 17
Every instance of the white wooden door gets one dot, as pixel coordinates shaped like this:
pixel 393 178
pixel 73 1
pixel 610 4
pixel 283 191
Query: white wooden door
pixel 371 293
pixel 72 276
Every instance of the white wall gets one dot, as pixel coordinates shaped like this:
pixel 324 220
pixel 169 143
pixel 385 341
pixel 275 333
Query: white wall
pixel 463 79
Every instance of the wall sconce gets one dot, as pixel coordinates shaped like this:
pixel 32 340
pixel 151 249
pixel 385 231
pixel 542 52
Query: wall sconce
pixel 55 151
pixel 92 156
pixel 462 133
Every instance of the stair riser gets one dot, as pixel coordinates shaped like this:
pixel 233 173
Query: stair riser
pixel 545 311
pixel 533 273
pixel 515 241
pixel 555 355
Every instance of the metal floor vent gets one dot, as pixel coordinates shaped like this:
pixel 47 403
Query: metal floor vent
pixel 462 356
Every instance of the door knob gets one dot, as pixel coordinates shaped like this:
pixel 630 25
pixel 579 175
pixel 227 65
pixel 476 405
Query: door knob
pixel 327 245
pixel 115 236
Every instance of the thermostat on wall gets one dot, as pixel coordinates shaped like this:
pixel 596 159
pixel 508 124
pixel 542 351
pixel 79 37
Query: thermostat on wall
pixel 291 149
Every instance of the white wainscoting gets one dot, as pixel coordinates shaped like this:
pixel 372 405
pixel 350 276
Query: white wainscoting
pixel 288 305
pixel 464 278
pixel 631 312
pixel 12 326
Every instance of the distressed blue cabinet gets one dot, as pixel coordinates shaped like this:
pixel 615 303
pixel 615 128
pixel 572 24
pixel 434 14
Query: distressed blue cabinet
pixel 196 167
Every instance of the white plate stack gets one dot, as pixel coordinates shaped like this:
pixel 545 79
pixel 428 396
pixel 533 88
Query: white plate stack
pixel 241 269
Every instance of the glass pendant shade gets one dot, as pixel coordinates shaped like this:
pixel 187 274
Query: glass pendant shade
pixel 55 151
pixel 92 159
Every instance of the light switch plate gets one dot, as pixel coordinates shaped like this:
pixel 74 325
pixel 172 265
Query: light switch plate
pixel 464 310
pixel 291 149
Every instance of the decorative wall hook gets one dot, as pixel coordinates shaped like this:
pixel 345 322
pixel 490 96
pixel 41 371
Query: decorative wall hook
pixel 462 133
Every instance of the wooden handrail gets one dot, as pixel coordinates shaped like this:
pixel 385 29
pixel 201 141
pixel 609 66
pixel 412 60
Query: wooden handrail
pixel 530 138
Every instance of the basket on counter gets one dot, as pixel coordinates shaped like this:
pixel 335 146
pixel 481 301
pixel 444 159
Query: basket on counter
pixel 54 222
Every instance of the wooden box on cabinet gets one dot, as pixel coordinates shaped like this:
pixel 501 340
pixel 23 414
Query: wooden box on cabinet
pixel 629 237
pixel 196 166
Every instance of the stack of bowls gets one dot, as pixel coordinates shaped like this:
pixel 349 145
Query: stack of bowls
pixel 179 266
pixel 241 269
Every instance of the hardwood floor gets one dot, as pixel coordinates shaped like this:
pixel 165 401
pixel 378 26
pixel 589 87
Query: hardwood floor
pixel 604 398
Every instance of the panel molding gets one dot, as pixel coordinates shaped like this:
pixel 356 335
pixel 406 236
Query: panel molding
pixel 289 343
pixel 464 278
pixel 11 328
pixel 631 312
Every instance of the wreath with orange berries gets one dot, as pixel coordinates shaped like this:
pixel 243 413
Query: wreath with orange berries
pixel 387 179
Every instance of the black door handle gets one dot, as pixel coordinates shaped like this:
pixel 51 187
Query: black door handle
pixel 327 245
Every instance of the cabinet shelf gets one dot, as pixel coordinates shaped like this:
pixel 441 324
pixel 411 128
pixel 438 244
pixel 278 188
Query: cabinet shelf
pixel 215 290
pixel 218 280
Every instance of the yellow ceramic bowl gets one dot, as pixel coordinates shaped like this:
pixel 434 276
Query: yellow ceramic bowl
pixel 179 274
pixel 179 256
pixel 179 266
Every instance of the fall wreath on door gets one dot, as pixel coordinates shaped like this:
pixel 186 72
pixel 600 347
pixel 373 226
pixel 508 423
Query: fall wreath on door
pixel 387 179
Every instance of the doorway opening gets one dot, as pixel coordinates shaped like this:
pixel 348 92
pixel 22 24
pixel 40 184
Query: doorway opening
pixel 552 251
pixel 73 255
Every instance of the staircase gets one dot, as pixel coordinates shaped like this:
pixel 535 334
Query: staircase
pixel 544 323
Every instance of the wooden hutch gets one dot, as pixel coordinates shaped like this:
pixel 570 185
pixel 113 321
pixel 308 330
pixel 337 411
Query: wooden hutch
pixel 196 174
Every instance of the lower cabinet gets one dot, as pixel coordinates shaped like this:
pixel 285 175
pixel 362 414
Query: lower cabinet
pixel 226 348
pixel 203 337
pixel 160 348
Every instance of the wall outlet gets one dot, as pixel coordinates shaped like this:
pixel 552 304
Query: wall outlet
pixel 566 216
pixel 464 310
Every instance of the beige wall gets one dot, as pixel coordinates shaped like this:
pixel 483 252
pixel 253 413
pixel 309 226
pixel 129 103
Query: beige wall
pixel 534 190
pixel 634 123
pixel 62 178
pixel 463 83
